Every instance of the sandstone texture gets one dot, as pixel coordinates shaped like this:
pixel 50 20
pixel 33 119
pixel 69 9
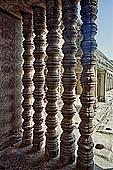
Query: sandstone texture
pixel 17 158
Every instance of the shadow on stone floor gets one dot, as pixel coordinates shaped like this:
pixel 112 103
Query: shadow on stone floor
pixel 17 158
pixel 99 168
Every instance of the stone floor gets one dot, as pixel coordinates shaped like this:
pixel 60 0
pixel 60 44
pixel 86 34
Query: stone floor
pixel 17 158
pixel 103 133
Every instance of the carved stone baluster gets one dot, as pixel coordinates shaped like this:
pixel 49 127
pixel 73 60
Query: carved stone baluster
pixel 27 77
pixel 69 9
pixel 39 78
pixel 88 29
pixel 52 80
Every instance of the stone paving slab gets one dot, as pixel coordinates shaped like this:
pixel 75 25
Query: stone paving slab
pixel 103 134
pixel 15 158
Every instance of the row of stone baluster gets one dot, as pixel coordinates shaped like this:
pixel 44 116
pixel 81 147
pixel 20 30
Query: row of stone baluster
pixel 50 17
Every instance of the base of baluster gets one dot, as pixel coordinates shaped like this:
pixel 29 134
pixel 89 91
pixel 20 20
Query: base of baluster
pixel 26 139
pixel 51 153
pixel 52 146
pixel 67 148
pixel 67 158
pixel 26 142
pixel 37 147
pixel 38 140
pixel 85 166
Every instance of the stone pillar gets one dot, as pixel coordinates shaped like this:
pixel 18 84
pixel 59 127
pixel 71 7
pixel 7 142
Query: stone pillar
pixel 67 147
pixel 98 84
pixel 39 78
pixel 78 57
pixel 96 90
pixel 27 78
pixel 52 79
pixel 106 81
pixel 78 88
pixel 88 60
pixel 102 91
pixel 112 81
pixel 109 82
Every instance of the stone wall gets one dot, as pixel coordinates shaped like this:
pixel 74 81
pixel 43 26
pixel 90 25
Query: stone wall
pixel 10 76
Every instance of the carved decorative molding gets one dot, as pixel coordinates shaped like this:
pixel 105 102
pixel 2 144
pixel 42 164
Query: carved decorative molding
pixel 17 6
pixel 67 154
pixel 27 77
pixel 39 78
pixel 88 29
pixel 52 80
pixel 12 5
pixel 10 77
